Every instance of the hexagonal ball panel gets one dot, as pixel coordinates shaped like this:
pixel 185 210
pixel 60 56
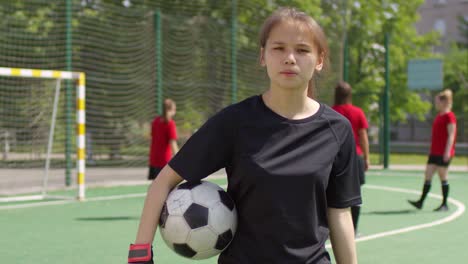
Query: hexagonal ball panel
pixel 202 239
pixel 176 230
pixel 184 250
pixel 206 254
pixel 222 219
pixel 223 240
pixel 206 194
pixel 178 201
pixel 163 217
pixel 188 185
pixel 196 216
pixel 226 199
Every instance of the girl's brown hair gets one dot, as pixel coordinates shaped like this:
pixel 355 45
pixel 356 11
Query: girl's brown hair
pixel 343 93
pixel 289 13
pixel 446 96
pixel 168 105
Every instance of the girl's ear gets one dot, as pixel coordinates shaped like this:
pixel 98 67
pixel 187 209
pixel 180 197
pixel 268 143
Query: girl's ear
pixel 262 57
pixel 320 62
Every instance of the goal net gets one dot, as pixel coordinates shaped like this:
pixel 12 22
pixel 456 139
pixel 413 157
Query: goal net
pixel 33 132
pixel 201 54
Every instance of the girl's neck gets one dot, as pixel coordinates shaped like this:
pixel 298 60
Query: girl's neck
pixel 290 104
pixel 166 118
pixel 444 111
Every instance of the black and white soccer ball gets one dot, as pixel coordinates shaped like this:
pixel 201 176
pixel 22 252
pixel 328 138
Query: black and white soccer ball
pixel 198 220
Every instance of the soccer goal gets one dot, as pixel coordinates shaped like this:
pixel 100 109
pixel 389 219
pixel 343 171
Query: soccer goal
pixel 33 131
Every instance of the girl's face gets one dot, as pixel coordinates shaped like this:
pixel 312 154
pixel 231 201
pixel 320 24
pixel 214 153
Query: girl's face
pixel 290 55
pixel 440 104
pixel 437 103
pixel 172 111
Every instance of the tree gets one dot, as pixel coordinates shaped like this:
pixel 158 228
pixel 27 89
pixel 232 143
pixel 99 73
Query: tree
pixel 463 28
pixel 365 24
pixel 26 41
pixel 456 78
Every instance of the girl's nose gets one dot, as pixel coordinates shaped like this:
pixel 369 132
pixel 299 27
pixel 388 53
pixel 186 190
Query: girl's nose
pixel 290 59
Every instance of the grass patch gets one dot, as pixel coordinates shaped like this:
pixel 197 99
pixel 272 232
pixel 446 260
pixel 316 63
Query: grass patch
pixel 410 159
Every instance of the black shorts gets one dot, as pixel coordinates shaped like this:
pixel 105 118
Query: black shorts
pixel 153 172
pixel 438 160
pixel 361 170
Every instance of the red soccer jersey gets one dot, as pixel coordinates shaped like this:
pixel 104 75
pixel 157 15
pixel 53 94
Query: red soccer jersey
pixel 440 134
pixel 356 117
pixel 161 133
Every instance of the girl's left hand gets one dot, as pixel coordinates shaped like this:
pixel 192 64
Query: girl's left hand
pixel 446 157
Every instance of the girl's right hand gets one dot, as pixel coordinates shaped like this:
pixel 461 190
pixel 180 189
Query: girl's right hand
pixel 140 254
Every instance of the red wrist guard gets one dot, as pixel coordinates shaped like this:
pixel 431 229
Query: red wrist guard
pixel 139 253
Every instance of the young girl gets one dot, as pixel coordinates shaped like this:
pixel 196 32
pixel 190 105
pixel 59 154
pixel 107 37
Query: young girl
pixel 444 132
pixel 290 160
pixel 355 115
pixel 163 139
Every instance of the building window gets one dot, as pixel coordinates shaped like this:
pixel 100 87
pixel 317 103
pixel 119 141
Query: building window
pixel 439 25
pixel 440 2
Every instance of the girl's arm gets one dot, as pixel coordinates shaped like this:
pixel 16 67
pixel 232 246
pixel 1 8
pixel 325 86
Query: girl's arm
pixel 155 198
pixel 364 142
pixel 342 235
pixel 174 146
pixel 451 128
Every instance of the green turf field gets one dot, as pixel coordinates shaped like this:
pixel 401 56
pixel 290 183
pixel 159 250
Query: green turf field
pixel 100 229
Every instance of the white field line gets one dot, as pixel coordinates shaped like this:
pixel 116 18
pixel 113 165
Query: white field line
pixel 460 210
pixel 93 199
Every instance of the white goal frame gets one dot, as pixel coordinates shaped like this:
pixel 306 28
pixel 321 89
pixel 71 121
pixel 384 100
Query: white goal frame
pixel 80 80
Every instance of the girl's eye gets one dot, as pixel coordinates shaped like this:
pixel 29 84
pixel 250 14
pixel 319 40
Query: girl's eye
pixel 278 48
pixel 303 51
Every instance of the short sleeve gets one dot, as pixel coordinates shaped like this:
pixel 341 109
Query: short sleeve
pixel 451 119
pixel 172 129
pixel 363 123
pixel 207 150
pixel 344 186
pixel 153 128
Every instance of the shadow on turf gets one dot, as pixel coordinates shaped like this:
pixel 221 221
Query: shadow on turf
pixel 392 212
pixel 107 218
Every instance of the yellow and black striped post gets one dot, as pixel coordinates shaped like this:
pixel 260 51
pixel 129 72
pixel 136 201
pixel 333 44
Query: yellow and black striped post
pixel 80 77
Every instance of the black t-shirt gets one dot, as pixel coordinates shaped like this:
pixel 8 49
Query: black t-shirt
pixel 283 174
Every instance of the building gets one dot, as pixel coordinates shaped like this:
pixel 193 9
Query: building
pixel 443 16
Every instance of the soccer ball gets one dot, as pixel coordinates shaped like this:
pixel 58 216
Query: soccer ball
pixel 198 220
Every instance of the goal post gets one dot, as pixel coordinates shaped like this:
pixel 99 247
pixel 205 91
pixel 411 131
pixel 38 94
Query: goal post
pixel 80 79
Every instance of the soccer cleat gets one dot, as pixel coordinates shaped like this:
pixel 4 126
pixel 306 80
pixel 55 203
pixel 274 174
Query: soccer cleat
pixel 441 208
pixel 416 204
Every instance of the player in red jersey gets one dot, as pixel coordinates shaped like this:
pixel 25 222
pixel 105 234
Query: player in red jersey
pixel 444 133
pixel 163 139
pixel 355 115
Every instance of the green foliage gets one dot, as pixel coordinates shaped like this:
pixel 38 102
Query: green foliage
pixel 455 65
pixel 463 28
pixel 121 90
pixel 192 119
pixel 456 77
pixel 366 29
pixel 365 25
